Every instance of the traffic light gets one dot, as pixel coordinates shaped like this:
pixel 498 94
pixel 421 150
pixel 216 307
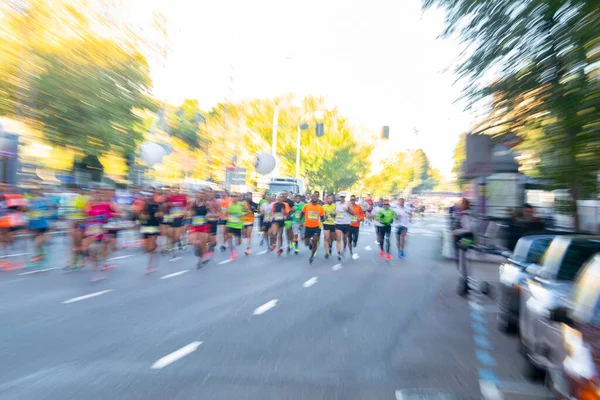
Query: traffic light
pixel 385 133
pixel 319 130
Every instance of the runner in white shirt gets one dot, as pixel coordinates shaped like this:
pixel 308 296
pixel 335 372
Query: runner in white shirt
pixel 374 211
pixel 343 212
pixel 265 211
pixel 402 221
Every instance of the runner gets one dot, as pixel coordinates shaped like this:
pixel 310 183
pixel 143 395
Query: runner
pixel 165 238
pixel 177 203
pixel 224 202
pixel 329 225
pixel 234 224
pixel 370 206
pixel 251 207
pixel 200 228
pixel 386 217
pixel 38 214
pixel 376 223
pixel 288 222
pixel 355 221
pixel 261 216
pixel 95 241
pixel 313 214
pixel 343 212
pixel 402 221
pixel 280 212
pixel 297 221
pixel 212 216
pixel 266 211
pixel 150 218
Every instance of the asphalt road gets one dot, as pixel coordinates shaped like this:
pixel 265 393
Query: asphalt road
pixel 260 327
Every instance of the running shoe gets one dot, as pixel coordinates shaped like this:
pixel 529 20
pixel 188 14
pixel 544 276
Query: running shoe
pixel 381 255
pixel 326 256
pixel 233 255
pixel 248 252
pixel 262 242
pixel 296 251
pixel 339 257
pixel 401 255
pixel 289 249
pixel 311 260
pixel 209 255
pixel 389 257
pixel 279 252
pixel 223 248
pixel 273 247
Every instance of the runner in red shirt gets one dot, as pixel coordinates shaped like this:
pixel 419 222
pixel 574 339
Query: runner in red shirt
pixel 177 203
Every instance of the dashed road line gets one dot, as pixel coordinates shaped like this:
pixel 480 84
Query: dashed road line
pixel 260 253
pixel 265 307
pixel 337 267
pixel 174 274
pixel 368 248
pixel 310 282
pixel 489 390
pixel 120 257
pixel 37 271
pixel 87 296
pixel 485 358
pixel 175 259
pixel 225 261
pixel 176 355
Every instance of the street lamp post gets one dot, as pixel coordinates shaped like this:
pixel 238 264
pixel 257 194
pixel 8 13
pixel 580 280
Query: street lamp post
pixel 301 127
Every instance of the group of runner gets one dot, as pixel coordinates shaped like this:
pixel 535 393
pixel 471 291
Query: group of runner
pixel 168 219
pixel 338 219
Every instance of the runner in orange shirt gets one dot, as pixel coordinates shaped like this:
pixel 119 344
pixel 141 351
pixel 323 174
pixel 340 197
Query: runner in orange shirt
pixel 314 213
pixel 355 221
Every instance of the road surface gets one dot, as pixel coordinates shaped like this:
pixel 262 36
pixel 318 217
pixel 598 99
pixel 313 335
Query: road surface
pixel 260 327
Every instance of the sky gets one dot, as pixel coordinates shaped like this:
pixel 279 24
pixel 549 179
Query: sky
pixel 380 63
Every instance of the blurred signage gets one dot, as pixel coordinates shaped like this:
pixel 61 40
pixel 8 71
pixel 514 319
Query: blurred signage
pixel 235 176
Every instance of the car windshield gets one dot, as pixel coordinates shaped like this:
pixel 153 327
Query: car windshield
pixel 553 256
pixel 278 188
pixel 575 257
pixel 587 293
pixel 537 250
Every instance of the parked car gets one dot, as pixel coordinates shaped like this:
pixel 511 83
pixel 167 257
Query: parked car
pixel 574 356
pixel 529 250
pixel 550 287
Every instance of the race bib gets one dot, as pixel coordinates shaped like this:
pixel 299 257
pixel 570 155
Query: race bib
pixel 279 216
pixel 177 212
pixel 168 218
pixel 149 229
pixel 94 230
pixel 339 217
pixel 37 214
pixel 353 218
pixel 268 216
pixel 313 215
pixel 234 219
pixel 198 220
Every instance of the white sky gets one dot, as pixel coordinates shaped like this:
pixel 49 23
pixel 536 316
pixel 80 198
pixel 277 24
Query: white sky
pixel 379 62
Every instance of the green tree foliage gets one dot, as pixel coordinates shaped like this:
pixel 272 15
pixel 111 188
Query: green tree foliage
pixel 545 55
pixel 187 124
pixel 66 73
pixel 245 128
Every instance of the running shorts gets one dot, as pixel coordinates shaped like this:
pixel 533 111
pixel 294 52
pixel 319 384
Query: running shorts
pixel 310 232
pixel 400 229
pixel 329 228
pixel 342 228
pixel 234 231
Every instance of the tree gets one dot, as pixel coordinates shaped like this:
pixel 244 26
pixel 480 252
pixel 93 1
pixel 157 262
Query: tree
pixel 187 123
pixel 65 79
pixel 547 87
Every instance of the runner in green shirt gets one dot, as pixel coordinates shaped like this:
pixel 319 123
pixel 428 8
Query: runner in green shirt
pixel 234 223
pixel 386 217
pixel 297 221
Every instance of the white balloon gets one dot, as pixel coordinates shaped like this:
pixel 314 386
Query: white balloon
pixel 265 163
pixel 151 153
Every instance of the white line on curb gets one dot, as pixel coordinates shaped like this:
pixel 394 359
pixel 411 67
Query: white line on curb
pixel 38 271
pixel 337 267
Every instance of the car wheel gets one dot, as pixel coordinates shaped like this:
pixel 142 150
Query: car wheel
pixel 505 325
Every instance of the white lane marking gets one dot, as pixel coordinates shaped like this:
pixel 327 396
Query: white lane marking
pixel 265 307
pixel 13 280
pixel 225 261
pixel 87 296
pixel 337 267
pixel 489 390
pixel 16 255
pixel 368 248
pixel 260 253
pixel 175 259
pixel 355 256
pixel 175 274
pixel 475 306
pixel 310 282
pixel 120 257
pixel 176 355
pixel 38 271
